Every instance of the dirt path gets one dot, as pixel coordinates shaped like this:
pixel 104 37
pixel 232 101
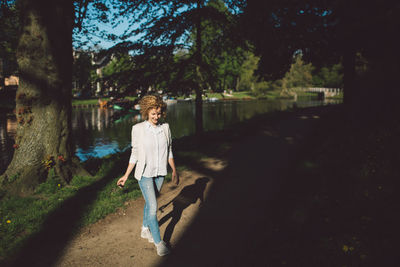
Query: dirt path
pixel 234 225
pixel 115 240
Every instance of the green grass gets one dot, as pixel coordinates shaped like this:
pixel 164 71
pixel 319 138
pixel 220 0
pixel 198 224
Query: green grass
pixel 273 94
pixel 87 101
pixel 242 94
pixel 95 101
pixel 23 216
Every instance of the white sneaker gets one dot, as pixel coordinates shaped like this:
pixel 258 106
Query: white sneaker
pixel 145 233
pixel 162 249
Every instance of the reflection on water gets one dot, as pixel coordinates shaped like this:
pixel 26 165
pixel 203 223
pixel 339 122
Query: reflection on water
pixel 7 134
pixel 96 134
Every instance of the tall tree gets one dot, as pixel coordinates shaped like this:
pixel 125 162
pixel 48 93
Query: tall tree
pixel 166 26
pixel 247 78
pixel 81 73
pixel 369 29
pixel 223 54
pixel 43 143
pixel 299 74
pixel 329 76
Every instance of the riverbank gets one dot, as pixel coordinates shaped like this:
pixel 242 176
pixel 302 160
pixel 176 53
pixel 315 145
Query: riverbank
pixel 332 186
pixel 249 95
pixel 7 106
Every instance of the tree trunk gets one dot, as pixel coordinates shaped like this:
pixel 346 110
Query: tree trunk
pixel 199 111
pixel 349 62
pixel 43 145
pixel 199 88
pixel 348 47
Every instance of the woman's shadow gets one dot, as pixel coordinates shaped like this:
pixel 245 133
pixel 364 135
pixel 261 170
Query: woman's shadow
pixel 185 198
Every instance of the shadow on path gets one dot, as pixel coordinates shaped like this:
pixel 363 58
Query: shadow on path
pixel 249 214
pixel 188 195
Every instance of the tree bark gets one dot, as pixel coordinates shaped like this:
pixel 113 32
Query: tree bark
pixel 199 63
pixel 199 111
pixel 43 145
pixel 348 46
pixel 349 64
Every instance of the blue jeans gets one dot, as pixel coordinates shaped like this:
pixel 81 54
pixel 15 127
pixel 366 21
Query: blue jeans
pixel 150 188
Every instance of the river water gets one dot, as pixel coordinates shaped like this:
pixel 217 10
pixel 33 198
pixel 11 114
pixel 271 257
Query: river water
pixel 96 134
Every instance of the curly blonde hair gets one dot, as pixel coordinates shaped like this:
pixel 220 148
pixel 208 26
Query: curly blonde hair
pixel 149 102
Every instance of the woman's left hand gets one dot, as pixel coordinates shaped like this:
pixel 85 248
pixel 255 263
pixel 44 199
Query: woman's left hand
pixel 175 177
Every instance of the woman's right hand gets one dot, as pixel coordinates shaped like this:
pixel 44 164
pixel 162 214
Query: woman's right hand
pixel 121 181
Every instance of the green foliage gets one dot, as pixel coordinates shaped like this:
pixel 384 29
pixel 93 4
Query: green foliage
pixel 267 89
pixel 330 77
pixel 247 78
pixel 182 50
pixel 87 15
pixel 260 89
pixel 9 29
pixel 82 73
pixel 222 58
pixel 118 73
pixel 299 75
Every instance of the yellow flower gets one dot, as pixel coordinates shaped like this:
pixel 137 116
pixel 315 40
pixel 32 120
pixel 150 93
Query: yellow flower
pixel 59 185
pixel 8 221
pixel 345 248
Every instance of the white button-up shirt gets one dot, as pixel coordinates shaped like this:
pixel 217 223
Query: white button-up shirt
pixel 155 146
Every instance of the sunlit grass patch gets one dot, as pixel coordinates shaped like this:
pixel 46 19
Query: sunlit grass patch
pixel 95 101
pixel 21 217
pixel 109 199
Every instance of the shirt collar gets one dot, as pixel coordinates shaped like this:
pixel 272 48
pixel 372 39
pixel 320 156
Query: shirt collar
pixel 155 129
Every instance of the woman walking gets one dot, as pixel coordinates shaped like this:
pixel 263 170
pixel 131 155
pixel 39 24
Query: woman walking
pixel 151 150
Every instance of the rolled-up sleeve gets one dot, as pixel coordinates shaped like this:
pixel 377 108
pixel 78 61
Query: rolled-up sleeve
pixel 134 152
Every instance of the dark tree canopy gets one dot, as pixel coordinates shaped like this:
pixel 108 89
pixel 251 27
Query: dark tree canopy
pixel 9 32
pixel 355 32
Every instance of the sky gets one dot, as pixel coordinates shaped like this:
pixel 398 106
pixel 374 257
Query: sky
pixel 105 44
